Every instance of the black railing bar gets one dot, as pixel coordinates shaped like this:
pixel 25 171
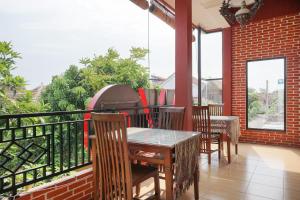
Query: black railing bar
pixel 58 113
pixel 1 136
pixel 6 122
pixel 34 131
pixel 53 148
pixel 24 177
pixel 82 147
pixel 76 144
pixel 24 132
pixel 26 138
pixel 69 144
pixel 48 159
pixel 41 125
pixel 43 129
pixel 18 122
pixel 34 174
pixel 13 135
pixel 13 184
pixel 23 171
pixel 61 147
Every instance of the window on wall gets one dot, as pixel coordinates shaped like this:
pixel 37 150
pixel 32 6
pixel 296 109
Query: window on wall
pixel 266 94
pixel 211 68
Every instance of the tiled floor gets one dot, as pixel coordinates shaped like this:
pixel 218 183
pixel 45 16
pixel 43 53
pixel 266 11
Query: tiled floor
pixel 259 172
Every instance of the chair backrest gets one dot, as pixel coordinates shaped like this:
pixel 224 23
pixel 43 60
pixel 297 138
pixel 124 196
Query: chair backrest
pixel 215 109
pixel 201 119
pixel 171 118
pixel 112 156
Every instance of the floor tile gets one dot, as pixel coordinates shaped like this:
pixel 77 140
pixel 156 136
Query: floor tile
pixel 255 197
pixel 267 180
pixel 290 194
pixel 259 172
pixel 265 191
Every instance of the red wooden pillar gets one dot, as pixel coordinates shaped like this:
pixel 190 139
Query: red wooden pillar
pixel 183 58
pixel 227 67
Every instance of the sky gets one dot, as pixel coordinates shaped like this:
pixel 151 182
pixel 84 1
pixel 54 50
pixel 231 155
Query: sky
pixel 267 70
pixel 51 35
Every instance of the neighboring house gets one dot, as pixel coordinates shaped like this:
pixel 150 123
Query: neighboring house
pixel 169 83
pixel 37 92
pixel 157 80
pixel 211 90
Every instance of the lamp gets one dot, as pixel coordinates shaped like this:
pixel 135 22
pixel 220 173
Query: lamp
pixel 243 15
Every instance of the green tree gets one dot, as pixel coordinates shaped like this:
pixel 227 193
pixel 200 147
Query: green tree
pixel 73 89
pixel 254 104
pixel 14 97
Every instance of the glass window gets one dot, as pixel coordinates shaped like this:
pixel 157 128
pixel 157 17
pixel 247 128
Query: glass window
pixel 211 68
pixel 266 94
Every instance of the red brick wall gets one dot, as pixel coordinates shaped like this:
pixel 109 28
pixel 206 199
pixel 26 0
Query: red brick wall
pixel 78 187
pixel 269 38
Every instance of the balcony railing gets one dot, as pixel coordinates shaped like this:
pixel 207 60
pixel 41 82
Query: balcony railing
pixel 39 146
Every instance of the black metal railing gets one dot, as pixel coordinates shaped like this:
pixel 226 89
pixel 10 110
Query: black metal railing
pixel 39 146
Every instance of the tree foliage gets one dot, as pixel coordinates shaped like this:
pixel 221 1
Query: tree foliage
pixel 73 89
pixel 13 86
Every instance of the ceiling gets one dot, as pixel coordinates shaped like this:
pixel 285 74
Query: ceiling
pixel 205 13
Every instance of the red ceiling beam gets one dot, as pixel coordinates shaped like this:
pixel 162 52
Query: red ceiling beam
pixel 141 3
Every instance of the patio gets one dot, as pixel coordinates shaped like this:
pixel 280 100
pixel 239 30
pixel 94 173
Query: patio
pixel 268 160
pixel 259 172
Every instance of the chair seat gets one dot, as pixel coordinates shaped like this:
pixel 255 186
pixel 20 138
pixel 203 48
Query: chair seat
pixel 141 173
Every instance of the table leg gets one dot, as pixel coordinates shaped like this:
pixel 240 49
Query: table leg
pixel 228 149
pixel 236 149
pixel 168 174
pixel 196 183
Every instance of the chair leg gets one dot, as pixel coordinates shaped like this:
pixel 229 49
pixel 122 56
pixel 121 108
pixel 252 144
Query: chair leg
pixel 156 186
pixel 196 183
pixel 228 150
pixel 137 190
pixel 209 151
pixel 222 141
pixel 219 148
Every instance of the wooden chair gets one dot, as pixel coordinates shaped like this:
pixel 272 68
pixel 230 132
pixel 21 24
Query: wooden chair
pixel 215 109
pixel 171 118
pixel 115 174
pixel 201 123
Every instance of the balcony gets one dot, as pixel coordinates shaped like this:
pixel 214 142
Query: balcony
pixel 49 155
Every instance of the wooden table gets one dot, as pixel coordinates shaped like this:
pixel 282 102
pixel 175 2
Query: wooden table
pixel 229 125
pixel 162 142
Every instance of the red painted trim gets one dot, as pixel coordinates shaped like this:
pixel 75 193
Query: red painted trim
pixel 172 9
pixel 183 58
pixel 227 70
pixel 162 97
